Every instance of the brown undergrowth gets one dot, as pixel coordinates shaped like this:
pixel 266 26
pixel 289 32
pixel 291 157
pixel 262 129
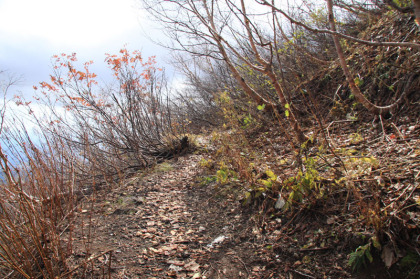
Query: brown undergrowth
pixel 199 216
pixel 352 191
pixel 251 202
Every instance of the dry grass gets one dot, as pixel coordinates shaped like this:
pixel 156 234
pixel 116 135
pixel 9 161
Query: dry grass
pixel 38 205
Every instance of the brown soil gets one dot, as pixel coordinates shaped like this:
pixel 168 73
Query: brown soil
pixel 164 223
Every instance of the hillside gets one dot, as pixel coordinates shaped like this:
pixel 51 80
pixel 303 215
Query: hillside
pixel 177 221
pixel 291 151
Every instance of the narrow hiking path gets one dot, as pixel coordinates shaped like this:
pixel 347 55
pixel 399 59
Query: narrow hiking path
pixel 165 225
pixel 175 221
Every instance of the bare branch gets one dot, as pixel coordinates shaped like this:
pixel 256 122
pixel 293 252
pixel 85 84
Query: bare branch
pixel 349 76
pixel 338 34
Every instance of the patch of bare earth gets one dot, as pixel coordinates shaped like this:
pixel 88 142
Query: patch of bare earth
pixel 167 223
pixel 164 225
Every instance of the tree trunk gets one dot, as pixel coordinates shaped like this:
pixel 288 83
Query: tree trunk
pixel 349 76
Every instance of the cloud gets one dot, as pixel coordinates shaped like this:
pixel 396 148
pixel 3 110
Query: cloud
pixel 31 32
pixel 76 23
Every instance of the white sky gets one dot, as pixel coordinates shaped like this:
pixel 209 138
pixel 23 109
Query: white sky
pixel 66 23
pixel 32 31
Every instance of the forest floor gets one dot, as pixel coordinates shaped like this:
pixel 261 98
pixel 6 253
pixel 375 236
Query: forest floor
pixel 167 223
pixel 164 225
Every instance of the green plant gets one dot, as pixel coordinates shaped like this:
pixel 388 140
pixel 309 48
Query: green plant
pixel 360 257
pixel 208 164
pixel 363 254
pixel 355 138
pixel 272 178
pixel 410 260
pixel 287 112
pixel 305 183
pixel 224 174
pixel 206 180
pixel 248 120
pixel 261 187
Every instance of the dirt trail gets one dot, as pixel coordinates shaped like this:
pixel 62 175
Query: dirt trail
pixel 165 225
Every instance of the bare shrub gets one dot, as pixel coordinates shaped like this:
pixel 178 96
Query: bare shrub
pixel 127 125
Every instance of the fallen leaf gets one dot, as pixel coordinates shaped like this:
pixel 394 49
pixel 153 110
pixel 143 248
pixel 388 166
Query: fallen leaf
pixel 297 263
pixel 151 230
pixel 169 247
pixel 192 266
pixel 177 263
pixel 388 256
pixel 331 220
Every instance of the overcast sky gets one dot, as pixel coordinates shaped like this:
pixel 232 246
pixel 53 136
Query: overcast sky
pixel 32 31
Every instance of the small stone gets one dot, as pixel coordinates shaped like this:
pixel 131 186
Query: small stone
pixel 175 268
